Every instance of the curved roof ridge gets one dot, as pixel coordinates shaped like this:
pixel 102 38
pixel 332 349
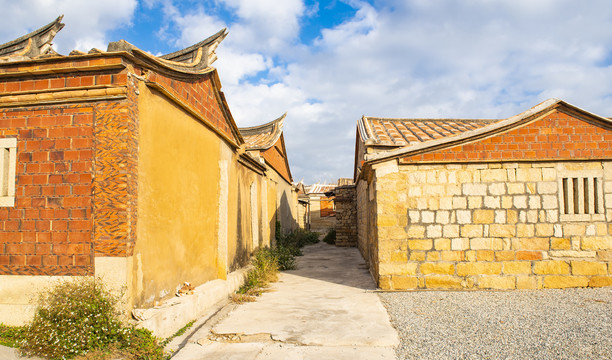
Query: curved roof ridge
pixel 195 59
pixel 179 55
pixel 263 137
pixel 33 44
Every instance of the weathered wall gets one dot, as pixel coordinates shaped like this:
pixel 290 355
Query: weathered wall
pixel 179 176
pixel 491 226
pixel 245 232
pixel 61 119
pixel 362 219
pixel 346 215
pixel 317 223
pixel 286 203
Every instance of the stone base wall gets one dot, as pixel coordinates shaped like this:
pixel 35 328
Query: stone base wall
pixel 346 215
pixel 493 226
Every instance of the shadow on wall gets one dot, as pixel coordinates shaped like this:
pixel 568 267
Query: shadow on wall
pixel 241 256
pixel 287 218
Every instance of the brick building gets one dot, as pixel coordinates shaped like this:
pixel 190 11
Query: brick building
pixel 518 203
pixel 321 207
pixel 267 143
pixel 127 166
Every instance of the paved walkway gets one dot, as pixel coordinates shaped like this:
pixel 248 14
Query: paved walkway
pixel 322 310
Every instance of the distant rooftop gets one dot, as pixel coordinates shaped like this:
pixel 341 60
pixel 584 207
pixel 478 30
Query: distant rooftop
pixel 401 132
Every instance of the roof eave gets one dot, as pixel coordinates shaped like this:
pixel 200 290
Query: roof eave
pixel 483 132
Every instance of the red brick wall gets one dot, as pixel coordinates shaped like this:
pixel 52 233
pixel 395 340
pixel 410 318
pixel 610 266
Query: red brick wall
pixel 557 136
pixel 65 170
pixel 48 231
pixel 277 159
pixel 76 187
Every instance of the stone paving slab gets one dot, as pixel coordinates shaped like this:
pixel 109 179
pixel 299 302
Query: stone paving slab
pixel 323 310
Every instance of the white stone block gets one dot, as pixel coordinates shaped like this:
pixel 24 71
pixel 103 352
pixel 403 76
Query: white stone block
pixel 549 187
pixel 442 216
pixel 558 230
pixel 459 202
pixel 474 189
pixel 492 202
pixel 464 216
pixel 458 244
pixel 535 202
pixel 434 231
pixel 427 217
pixel 520 202
pixel 497 189
pixel 500 216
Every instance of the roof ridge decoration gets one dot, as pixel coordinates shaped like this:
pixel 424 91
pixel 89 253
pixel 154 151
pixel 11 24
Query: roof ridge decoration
pixel 486 131
pixel 195 59
pixel 35 44
pixel 263 137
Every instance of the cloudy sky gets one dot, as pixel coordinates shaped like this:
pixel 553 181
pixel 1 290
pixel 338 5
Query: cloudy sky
pixel 327 63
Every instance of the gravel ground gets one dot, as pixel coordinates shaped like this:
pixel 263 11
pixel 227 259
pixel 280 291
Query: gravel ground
pixel 543 324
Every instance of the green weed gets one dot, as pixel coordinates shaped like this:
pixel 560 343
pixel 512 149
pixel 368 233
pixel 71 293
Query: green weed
pixel 81 318
pixel 330 237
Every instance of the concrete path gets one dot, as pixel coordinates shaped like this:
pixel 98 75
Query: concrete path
pixel 322 310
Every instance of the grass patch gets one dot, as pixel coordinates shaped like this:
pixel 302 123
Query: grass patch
pixel 178 333
pixel 11 336
pixel 266 262
pixel 80 319
pixel 330 237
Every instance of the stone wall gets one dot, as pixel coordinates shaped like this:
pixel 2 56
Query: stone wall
pixel 346 215
pixel 493 225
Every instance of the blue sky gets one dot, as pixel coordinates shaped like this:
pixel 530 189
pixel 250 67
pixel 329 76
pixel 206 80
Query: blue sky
pixel 327 63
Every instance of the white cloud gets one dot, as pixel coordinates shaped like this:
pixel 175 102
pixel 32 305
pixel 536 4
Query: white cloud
pixel 397 58
pixel 475 58
pixel 87 22
pixel 265 25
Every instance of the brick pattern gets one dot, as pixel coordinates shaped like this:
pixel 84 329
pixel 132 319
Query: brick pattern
pixel 488 226
pixel 59 81
pixel 115 184
pixel 277 159
pixel 49 230
pixel 199 93
pixel 346 215
pixel 557 136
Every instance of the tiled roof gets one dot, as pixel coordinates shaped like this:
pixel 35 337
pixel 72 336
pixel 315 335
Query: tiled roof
pixel 264 136
pixel 319 188
pixel 403 132
pixel 480 130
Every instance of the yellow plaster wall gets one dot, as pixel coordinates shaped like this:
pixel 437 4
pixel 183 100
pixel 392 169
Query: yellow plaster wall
pixel 285 206
pixel 178 187
pixel 240 236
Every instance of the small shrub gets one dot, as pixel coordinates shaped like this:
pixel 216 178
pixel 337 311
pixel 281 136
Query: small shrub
pixel 264 271
pixel 267 262
pixel 285 258
pixel 77 317
pixel 330 237
pixel 11 336
pixel 295 240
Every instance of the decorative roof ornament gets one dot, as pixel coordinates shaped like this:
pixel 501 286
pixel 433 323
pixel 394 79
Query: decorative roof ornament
pixel 195 59
pixel 35 44
pixel 263 137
